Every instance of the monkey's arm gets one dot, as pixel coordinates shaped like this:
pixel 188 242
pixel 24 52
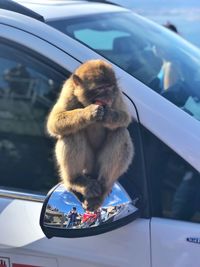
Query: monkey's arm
pixel 116 119
pixel 64 122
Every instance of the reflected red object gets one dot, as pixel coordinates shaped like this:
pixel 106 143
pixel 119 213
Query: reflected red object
pixel 89 217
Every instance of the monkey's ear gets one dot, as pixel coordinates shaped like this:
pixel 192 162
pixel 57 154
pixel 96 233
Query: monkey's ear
pixel 76 79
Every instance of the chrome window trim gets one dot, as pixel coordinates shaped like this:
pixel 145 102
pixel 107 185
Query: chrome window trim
pixel 22 195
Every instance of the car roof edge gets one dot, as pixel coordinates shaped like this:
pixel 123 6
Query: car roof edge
pixel 18 8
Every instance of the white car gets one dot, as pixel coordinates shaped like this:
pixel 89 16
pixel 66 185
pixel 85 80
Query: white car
pixel 163 181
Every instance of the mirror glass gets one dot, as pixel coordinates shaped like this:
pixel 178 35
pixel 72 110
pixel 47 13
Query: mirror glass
pixel 64 210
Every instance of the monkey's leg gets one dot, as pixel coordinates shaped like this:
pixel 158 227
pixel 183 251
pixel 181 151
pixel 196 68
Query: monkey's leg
pixel 115 157
pixel 76 160
pixel 113 160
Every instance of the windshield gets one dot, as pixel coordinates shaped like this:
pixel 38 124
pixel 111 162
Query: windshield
pixel 152 54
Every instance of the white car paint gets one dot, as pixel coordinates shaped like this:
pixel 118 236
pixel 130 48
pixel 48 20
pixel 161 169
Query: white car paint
pixel 169 241
pixel 51 9
pixel 144 242
pixel 29 240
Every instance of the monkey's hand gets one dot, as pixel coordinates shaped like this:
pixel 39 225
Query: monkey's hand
pixel 115 118
pixel 94 201
pixel 92 189
pixel 93 204
pixel 96 112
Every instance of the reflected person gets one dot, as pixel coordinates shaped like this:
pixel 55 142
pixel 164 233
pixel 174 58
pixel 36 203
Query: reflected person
pixel 72 216
pixel 18 79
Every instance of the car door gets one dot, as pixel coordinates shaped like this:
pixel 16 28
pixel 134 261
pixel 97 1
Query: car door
pixel 179 245
pixel 175 198
pixel 31 75
pixel 175 224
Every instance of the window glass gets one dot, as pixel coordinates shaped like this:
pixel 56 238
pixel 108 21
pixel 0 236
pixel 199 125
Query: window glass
pixel 174 184
pixel 27 89
pixel 100 40
pixel 154 55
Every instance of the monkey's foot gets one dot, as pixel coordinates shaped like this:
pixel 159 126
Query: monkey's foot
pixel 92 189
pixel 92 204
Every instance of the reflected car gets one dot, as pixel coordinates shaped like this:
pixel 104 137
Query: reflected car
pixel 158 72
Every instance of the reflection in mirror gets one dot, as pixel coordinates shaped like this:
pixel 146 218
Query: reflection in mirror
pixel 64 210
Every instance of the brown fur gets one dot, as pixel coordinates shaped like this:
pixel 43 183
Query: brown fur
pixel 93 146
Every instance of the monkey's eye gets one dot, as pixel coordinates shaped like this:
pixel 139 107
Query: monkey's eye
pixel 106 86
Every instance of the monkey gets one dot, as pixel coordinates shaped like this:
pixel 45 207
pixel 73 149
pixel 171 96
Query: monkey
pixel 89 121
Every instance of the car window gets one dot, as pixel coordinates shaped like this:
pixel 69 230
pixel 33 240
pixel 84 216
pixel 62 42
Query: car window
pixel 154 55
pixel 28 86
pixel 174 184
pixel 101 40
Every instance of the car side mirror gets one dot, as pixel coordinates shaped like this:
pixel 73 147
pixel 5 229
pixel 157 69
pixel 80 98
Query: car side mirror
pixel 62 214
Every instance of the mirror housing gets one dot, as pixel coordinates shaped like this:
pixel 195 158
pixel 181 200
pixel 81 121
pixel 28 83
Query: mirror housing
pixel 62 213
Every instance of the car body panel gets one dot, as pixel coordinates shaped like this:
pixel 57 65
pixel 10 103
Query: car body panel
pixel 50 9
pixel 28 212
pixel 136 244
pixel 20 259
pixel 23 235
pixel 170 246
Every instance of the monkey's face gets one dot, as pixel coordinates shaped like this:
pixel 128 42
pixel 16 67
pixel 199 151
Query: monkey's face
pixel 102 94
pixel 96 93
pixel 95 84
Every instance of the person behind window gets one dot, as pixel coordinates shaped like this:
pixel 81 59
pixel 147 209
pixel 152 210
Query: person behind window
pixel 171 27
pixel 170 72
pixel 186 201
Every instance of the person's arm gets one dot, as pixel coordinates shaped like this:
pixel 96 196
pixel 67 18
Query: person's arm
pixel 171 75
